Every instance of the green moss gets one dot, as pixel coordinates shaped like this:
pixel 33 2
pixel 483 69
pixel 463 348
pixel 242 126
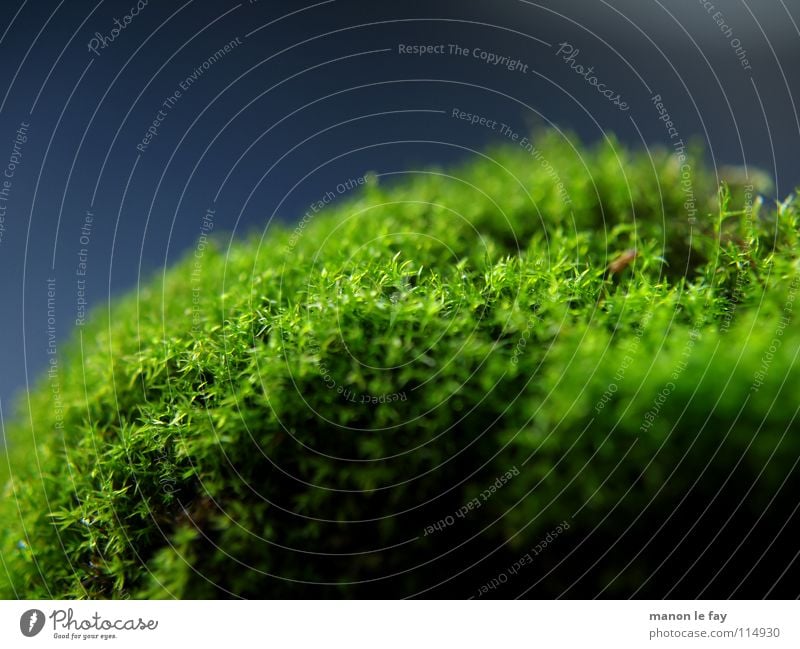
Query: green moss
pixel 300 409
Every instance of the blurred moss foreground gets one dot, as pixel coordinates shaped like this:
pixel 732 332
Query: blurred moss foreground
pixel 562 371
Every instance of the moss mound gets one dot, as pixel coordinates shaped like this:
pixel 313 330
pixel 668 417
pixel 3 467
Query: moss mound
pixel 560 371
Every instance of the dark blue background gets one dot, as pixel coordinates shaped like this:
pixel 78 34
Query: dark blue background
pixel 322 95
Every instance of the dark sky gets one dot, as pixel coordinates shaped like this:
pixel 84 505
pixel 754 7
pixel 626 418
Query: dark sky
pixel 309 95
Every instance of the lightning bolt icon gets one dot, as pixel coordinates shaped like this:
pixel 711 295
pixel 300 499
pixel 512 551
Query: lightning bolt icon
pixel 32 621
